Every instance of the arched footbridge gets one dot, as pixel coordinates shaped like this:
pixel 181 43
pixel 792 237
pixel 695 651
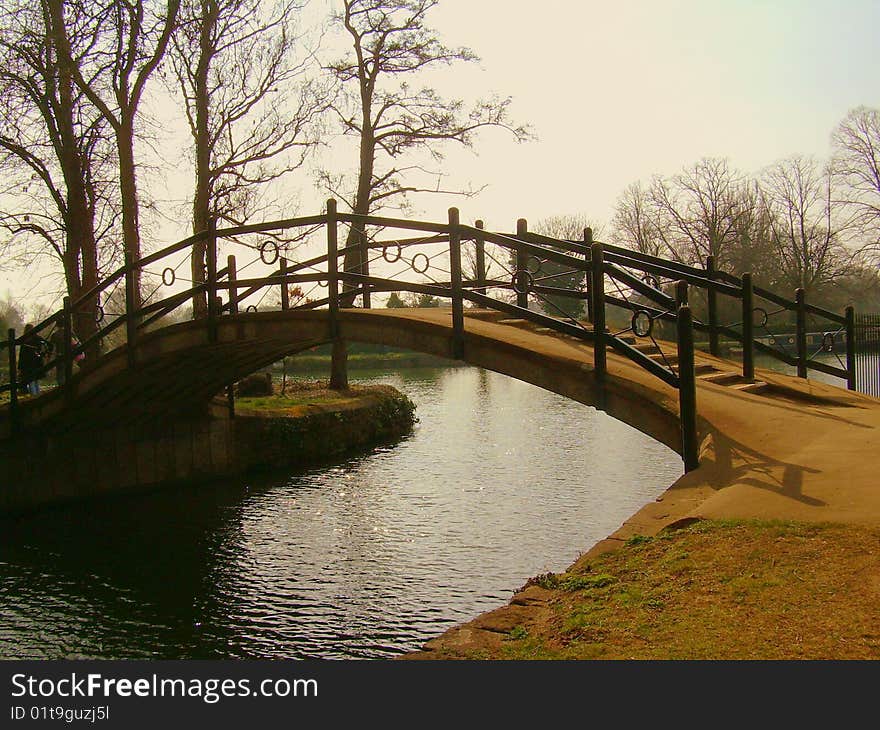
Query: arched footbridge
pixel 600 324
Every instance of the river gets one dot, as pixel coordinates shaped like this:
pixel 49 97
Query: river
pixel 499 481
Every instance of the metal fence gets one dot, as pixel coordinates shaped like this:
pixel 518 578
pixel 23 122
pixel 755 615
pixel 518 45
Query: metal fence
pixel 867 341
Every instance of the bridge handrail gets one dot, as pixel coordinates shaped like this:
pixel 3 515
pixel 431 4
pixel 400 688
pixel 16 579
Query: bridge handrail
pixel 594 260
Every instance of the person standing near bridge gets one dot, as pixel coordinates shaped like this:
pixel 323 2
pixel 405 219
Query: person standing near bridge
pixel 30 359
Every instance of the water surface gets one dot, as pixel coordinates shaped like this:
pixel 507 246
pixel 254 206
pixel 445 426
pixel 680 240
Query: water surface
pixel 499 481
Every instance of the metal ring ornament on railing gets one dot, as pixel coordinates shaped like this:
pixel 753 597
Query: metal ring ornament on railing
pixel 651 281
pixel 323 283
pixel 527 277
pixel 99 314
pixel 537 269
pixel 418 269
pixel 388 258
pixel 642 323
pixel 828 342
pixel 763 322
pixel 275 252
pixel 250 308
pixel 166 279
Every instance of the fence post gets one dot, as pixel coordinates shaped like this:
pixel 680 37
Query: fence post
pixel 597 272
pixel 712 306
pixel 232 275
pixel 131 330
pixel 211 259
pixel 455 281
pixel 687 389
pixel 13 382
pixel 588 242
pixel 285 293
pixel 850 348
pixel 800 298
pixel 67 329
pixel 748 357
pixel 522 298
pixel 481 260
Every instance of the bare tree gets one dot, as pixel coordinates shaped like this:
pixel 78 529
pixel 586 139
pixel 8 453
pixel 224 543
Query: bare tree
pixel 55 160
pixel 636 224
pixel 250 114
pixel 798 195
pixel 390 44
pixel 564 228
pixel 696 211
pixel 124 46
pixel 856 164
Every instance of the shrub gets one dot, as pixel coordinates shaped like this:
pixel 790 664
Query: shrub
pixel 254 385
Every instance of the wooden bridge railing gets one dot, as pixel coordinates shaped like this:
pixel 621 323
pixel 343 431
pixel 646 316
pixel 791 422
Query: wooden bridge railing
pixel 606 279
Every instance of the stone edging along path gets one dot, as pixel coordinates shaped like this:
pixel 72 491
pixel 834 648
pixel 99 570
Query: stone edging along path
pixel 800 450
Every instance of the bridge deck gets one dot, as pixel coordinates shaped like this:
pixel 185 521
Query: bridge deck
pixel 783 448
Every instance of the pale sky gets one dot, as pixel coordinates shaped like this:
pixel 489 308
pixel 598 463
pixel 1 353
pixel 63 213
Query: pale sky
pixel 616 92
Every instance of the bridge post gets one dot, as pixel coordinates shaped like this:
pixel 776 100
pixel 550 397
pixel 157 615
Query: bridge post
pixel 588 243
pixel 681 293
pixel 365 266
pixel 480 245
pixel 67 329
pixel 232 275
pixel 850 348
pixel 13 382
pixel 131 330
pixel 687 389
pixel 211 258
pixel 455 282
pixel 597 272
pixel 339 356
pixel 748 327
pixel 800 298
pixel 522 262
pixel 712 306
pixel 285 292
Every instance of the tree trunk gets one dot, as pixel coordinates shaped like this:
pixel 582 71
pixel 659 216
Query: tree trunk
pixel 339 366
pixel 131 237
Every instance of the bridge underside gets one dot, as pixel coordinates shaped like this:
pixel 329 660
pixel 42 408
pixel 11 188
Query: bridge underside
pixel 179 370
pixel 792 447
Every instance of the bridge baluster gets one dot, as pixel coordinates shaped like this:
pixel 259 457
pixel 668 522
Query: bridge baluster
pixel 481 261
pixel 232 275
pixel 522 297
pixel 455 281
pixel 681 292
pixel 712 304
pixel 850 348
pixel 332 268
pixel 285 292
pixel 588 242
pixel 211 259
pixel 597 272
pixel 748 356
pixel 687 389
pixel 131 330
pixel 13 382
pixel 800 298
pixel 67 328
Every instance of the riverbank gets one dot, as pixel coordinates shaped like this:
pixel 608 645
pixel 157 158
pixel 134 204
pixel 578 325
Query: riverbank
pixel 310 424
pixel 765 552
pixel 308 427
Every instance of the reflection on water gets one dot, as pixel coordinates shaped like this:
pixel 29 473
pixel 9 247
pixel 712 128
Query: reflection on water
pixel 500 481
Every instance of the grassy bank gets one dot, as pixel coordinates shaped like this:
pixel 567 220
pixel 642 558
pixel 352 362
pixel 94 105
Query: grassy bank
pixel 714 590
pixel 310 424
